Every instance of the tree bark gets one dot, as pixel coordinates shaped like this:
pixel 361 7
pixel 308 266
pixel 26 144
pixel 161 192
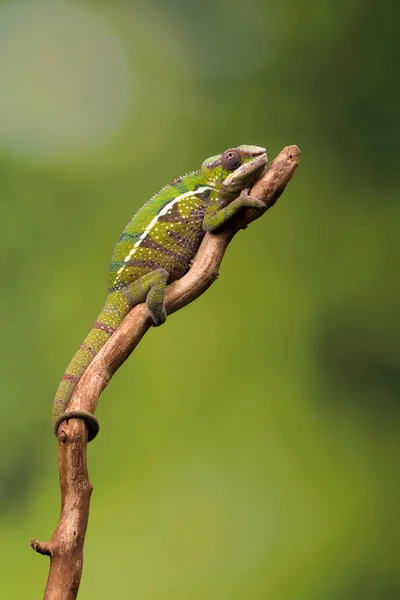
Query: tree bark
pixel 66 545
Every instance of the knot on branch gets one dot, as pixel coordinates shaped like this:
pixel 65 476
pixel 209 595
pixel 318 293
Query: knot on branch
pixel 42 547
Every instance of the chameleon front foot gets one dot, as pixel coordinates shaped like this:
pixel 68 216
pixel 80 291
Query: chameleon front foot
pixel 249 201
pixel 213 221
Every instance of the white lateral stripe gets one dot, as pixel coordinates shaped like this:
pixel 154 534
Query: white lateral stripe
pixel 163 212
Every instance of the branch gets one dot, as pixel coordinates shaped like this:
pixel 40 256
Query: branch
pixel 66 545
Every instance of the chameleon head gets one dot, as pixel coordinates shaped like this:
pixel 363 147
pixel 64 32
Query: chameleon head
pixel 235 169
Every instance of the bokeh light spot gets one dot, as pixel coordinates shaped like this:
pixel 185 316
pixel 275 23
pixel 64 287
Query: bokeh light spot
pixel 65 82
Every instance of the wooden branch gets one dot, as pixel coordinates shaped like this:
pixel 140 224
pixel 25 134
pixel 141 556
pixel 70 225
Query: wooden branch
pixel 66 545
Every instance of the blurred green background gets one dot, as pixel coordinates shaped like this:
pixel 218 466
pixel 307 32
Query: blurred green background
pixel 249 448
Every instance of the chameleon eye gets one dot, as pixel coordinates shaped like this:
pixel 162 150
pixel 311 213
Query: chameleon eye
pixel 231 160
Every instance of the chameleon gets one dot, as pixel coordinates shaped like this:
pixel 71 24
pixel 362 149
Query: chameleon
pixel 159 244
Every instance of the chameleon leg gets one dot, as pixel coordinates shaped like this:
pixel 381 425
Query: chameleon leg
pixel 150 287
pixel 213 219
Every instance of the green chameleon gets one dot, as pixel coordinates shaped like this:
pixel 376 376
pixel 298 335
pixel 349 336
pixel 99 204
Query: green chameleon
pixel 159 243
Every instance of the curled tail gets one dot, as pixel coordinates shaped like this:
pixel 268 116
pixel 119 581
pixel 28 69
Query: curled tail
pixel 115 310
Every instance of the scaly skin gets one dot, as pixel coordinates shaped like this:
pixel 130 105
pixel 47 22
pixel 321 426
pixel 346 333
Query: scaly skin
pixel 159 243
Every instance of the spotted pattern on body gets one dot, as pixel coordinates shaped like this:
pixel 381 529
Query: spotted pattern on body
pixel 159 244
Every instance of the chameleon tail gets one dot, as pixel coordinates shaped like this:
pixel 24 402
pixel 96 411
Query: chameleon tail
pixel 115 310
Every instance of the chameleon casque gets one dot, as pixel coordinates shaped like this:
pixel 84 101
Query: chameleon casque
pixel 159 243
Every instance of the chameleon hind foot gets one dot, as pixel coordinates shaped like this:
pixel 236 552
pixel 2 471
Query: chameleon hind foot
pixel 150 288
pixel 155 297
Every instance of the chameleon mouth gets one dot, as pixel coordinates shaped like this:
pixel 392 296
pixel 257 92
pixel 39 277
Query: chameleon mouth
pixel 255 166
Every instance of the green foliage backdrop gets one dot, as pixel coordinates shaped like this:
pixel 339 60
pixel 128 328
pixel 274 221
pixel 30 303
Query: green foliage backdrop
pixel 249 448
